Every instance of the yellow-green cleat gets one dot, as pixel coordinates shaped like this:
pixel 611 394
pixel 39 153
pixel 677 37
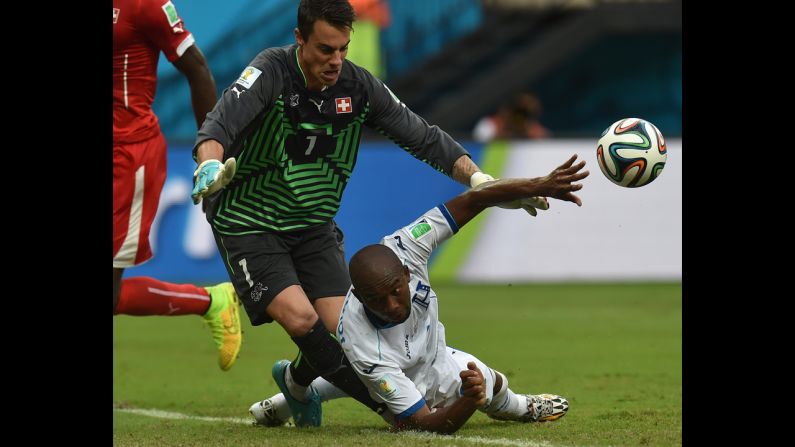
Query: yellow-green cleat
pixel 223 317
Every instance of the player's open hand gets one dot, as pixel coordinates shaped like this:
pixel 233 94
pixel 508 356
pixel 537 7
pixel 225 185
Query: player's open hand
pixel 473 385
pixel 560 182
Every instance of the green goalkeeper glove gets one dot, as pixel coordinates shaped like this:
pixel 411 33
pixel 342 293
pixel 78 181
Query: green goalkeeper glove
pixel 210 177
pixel 528 204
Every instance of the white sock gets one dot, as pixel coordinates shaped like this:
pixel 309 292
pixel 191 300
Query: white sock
pixel 326 390
pixel 280 407
pixel 506 404
pixel 511 406
pixel 296 391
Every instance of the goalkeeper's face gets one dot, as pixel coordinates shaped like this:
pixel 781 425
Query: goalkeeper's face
pixel 387 296
pixel 322 53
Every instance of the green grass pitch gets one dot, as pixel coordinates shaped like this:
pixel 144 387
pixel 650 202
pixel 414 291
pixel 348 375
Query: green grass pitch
pixel 614 350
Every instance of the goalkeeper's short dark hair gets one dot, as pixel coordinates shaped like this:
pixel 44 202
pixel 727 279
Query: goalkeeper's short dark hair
pixel 339 13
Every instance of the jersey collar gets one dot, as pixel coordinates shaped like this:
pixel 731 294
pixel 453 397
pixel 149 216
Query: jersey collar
pixel 296 66
pixel 377 322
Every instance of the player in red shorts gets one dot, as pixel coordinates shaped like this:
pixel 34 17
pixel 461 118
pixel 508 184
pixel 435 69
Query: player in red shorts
pixel 141 29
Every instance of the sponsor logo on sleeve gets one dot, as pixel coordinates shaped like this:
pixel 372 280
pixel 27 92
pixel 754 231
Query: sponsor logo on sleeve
pixel 249 75
pixel 420 229
pixel 238 92
pixel 387 387
pixel 171 13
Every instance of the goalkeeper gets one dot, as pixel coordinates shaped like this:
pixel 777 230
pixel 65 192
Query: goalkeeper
pixel 390 332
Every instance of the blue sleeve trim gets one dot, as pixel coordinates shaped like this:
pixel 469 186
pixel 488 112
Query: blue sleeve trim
pixel 413 409
pixel 449 217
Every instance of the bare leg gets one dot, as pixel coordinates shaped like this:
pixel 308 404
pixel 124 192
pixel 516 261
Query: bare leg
pixel 328 309
pixel 293 311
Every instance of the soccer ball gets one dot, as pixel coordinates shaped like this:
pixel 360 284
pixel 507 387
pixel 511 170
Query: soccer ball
pixel 631 152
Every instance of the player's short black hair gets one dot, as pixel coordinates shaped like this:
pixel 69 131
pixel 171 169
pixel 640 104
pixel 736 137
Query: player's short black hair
pixel 338 13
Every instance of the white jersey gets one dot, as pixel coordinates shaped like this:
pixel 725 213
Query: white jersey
pixel 405 365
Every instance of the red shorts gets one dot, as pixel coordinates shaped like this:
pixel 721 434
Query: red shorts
pixel 139 172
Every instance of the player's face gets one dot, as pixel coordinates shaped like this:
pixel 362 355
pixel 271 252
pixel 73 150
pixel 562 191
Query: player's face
pixel 389 300
pixel 321 55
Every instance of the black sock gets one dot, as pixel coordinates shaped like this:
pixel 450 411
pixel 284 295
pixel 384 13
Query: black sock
pixel 301 371
pixel 323 353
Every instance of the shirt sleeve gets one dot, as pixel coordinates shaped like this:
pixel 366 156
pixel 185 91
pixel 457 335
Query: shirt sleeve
pixel 164 28
pixel 388 384
pixel 408 130
pixel 415 242
pixel 253 93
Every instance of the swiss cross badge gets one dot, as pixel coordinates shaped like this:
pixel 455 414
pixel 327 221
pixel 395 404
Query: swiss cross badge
pixel 344 105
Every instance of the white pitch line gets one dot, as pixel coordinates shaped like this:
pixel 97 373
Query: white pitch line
pixel 155 413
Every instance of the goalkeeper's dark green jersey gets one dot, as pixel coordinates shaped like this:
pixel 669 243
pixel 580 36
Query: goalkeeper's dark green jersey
pixel 296 149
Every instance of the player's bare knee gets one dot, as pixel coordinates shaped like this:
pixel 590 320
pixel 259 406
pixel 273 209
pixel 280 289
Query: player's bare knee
pixel 299 323
pixel 293 311
pixel 305 322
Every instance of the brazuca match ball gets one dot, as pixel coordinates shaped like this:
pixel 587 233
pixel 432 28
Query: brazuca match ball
pixel 631 152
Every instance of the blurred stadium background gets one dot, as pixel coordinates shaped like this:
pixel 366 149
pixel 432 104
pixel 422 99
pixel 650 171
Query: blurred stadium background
pixel 589 63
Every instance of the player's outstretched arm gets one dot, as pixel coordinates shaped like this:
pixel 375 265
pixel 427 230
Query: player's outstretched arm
pixel 466 172
pixel 448 420
pixel 529 204
pixel 559 184
pixel 203 93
